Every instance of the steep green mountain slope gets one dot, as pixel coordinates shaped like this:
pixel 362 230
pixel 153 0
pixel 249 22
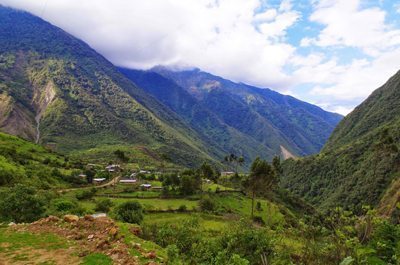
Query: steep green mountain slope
pixel 24 162
pixel 209 125
pixel 258 117
pixel 56 90
pixel 360 160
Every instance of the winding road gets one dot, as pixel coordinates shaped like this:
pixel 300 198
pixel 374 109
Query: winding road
pixel 109 183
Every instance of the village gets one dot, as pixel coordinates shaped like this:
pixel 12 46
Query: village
pixel 114 174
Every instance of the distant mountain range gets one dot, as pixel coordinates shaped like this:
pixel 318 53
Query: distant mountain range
pixel 236 117
pixel 360 163
pixel 56 90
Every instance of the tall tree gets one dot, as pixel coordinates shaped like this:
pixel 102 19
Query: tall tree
pixel 262 178
pixel 206 171
pixel 276 164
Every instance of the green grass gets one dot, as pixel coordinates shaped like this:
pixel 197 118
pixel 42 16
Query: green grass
pixel 24 162
pixel 208 222
pixel 11 241
pixel 160 204
pixel 141 194
pixel 97 259
pixel 130 238
pixel 241 205
pixel 213 187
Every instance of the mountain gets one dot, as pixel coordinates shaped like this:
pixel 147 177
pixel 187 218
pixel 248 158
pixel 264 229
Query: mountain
pixel 360 163
pixel 237 117
pixel 57 91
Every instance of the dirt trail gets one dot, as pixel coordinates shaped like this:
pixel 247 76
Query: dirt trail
pixel 37 119
pixel 110 183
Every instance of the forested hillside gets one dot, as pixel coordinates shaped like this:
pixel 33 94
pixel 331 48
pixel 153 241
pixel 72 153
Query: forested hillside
pixel 56 90
pixel 360 160
pixel 237 113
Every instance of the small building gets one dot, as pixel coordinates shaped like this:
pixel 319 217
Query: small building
pixel 128 181
pixel 98 180
pixel 113 168
pixel 145 186
pixel 144 172
pixel 133 175
pixel 82 176
pixel 227 173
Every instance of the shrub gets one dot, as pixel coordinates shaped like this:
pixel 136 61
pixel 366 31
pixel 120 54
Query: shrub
pixel 207 204
pixel 258 206
pixel 258 219
pixel 21 204
pixel 173 253
pixel 62 206
pixel 103 205
pixel 86 194
pixel 130 212
pixel 182 208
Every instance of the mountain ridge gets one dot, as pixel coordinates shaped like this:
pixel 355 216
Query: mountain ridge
pixel 361 159
pixel 260 123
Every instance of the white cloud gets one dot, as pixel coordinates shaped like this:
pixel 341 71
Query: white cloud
pixel 217 36
pixel 348 25
pixel 242 40
pixel 339 86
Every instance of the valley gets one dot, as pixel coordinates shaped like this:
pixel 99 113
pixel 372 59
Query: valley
pixel 101 163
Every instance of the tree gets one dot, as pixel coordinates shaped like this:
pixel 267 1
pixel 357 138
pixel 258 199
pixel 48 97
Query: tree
pixel 262 177
pixel 276 164
pixel 240 161
pixel 206 171
pixel 103 205
pixel 21 204
pixel 234 160
pixel 121 155
pixel 130 212
pixel 207 204
pixel 90 173
pixel 230 159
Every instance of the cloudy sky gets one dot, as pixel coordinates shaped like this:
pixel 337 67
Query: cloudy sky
pixel 332 53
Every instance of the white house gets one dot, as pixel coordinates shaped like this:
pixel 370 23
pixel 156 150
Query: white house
pixel 128 181
pixel 98 180
pixel 112 168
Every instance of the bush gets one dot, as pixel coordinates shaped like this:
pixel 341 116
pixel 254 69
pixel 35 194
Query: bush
pixel 182 208
pixel 86 194
pixel 258 219
pixel 130 212
pixel 207 204
pixel 62 206
pixel 103 205
pixel 258 206
pixel 173 253
pixel 21 204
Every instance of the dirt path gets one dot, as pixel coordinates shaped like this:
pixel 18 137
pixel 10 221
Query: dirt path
pixel 110 183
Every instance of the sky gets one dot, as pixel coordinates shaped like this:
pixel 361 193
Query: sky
pixel 332 53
